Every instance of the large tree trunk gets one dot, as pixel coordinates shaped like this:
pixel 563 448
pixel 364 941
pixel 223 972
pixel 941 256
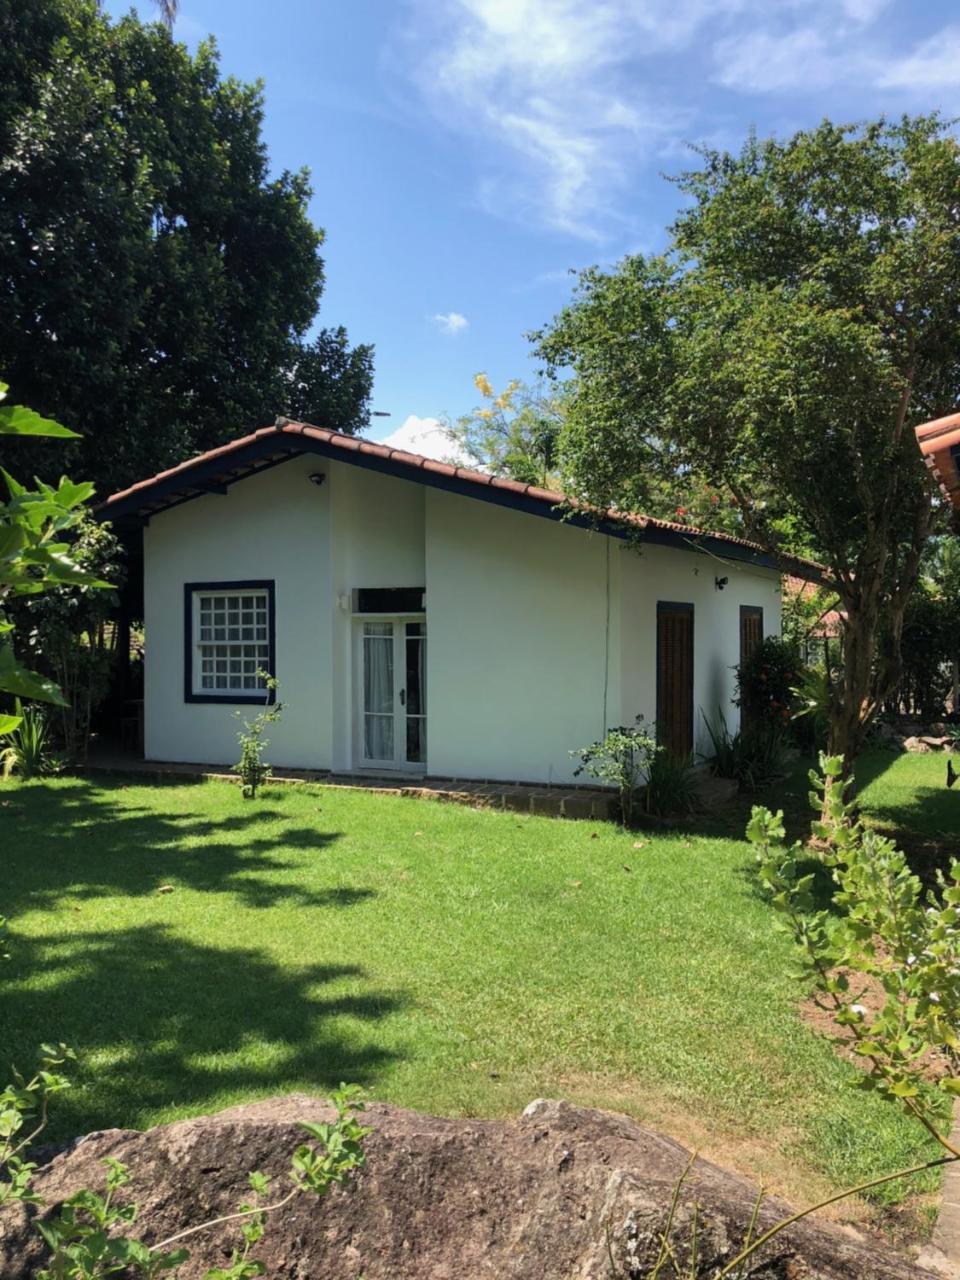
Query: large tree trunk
pixel 853 708
pixel 873 603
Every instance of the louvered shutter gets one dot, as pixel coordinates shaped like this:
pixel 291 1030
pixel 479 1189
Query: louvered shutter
pixel 675 678
pixel 751 637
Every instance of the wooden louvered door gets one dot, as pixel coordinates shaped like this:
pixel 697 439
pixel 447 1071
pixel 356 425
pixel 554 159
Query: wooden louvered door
pixel 751 637
pixel 675 678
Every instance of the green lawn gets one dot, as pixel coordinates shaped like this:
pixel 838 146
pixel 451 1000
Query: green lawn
pixel 452 960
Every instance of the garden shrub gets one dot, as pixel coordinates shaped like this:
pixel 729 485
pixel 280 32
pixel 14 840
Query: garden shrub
pixel 881 925
pixel 68 632
pixel 623 756
pixel 766 680
pixel 754 756
pixel 670 790
pixel 87 1239
pixel 930 639
pixel 810 724
pixel 27 752
pixel 252 769
pixel 883 929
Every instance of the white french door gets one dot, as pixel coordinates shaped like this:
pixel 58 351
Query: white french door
pixel 392 693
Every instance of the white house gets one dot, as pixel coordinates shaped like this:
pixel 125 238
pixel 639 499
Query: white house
pixel 421 617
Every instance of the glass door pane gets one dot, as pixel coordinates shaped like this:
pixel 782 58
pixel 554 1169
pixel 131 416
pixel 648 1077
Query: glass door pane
pixel 415 646
pixel 378 692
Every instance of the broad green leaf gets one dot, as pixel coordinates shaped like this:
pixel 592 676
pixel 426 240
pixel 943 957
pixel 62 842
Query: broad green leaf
pixel 16 679
pixel 70 494
pixel 14 487
pixel 904 1089
pixel 12 539
pixel 17 420
pixel 8 724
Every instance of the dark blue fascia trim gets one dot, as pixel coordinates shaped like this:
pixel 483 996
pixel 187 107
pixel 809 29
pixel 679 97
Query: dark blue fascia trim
pixel 135 504
pixel 229 699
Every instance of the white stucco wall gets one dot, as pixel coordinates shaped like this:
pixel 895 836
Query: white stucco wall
pixel 275 525
pixel 378 541
pixel 517 626
pixel 540 634
pixel 662 573
pixel 357 529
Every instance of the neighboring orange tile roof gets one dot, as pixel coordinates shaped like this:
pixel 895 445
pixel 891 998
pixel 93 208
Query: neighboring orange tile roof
pixel 830 623
pixel 292 437
pixel 940 445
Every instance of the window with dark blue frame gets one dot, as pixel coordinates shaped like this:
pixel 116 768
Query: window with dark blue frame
pixel 229 641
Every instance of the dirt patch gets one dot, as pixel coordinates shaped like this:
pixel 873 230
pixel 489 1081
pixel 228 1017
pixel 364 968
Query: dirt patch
pixel 818 1014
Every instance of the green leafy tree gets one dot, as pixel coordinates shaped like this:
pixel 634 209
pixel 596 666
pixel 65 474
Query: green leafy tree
pixel 327 382
pixel 69 634
pixel 513 433
pixel 34 556
pixel 803 319
pixel 168 10
pixel 159 281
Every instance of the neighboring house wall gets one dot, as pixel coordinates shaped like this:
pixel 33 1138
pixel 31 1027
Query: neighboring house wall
pixel 539 634
pixel 651 574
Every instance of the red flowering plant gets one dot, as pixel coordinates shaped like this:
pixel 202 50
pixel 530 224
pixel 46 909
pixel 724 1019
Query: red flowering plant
pixel 766 681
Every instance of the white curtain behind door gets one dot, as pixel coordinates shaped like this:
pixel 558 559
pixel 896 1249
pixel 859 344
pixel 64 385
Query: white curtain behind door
pixel 378 691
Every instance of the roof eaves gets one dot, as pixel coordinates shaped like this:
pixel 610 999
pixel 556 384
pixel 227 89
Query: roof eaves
pixel 178 484
pixel 939 443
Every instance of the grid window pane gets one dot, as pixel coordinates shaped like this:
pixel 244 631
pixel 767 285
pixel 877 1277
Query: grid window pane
pixel 232 641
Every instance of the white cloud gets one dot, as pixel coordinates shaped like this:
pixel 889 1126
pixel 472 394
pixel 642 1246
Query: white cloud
pixel 429 437
pixel 451 323
pixel 763 62
pixel 864 11
pixel 549 82
pixel 933 64
pixel 817 56
pixel 567 102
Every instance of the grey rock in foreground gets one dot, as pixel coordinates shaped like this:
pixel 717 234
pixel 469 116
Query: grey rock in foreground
pixel 548 1197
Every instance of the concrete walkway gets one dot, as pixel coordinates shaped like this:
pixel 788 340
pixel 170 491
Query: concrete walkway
pixel 946 1235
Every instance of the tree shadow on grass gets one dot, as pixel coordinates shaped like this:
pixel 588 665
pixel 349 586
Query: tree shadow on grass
pixel 161 1022
pixel 927 829
pixel 78 839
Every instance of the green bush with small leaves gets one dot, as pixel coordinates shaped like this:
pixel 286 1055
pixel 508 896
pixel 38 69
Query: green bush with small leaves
pixel 624 757
pixel 251 768
pixel 766 681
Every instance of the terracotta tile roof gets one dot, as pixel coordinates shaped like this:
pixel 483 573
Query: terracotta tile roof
pixel 940 445
pixel 830 623
pixel 292 437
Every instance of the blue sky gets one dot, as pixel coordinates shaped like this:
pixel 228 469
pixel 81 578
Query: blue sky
pixel 466 154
